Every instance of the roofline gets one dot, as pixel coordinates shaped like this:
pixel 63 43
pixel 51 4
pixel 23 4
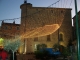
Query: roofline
pixel 75 15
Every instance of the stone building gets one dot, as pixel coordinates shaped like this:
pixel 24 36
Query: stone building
pixel 74 27
pixel 9 30
pixel 40 25
pixel 74 23
pixel 44 25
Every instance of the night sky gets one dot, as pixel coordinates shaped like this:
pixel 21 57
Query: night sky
pixel 10 9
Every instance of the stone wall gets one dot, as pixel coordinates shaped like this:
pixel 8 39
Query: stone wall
pixel 34 17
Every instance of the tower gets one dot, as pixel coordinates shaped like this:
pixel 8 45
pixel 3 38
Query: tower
pixel 23 27
pixel 24 8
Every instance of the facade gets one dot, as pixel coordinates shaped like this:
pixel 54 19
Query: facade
pixel 35 21
pixel 74 19
pixel 40 25
pixel 74 31
pixel 9 30
pixel 74 27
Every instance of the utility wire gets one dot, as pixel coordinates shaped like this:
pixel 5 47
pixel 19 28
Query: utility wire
pixel 33 13
pixel 70 3
pixel 53 3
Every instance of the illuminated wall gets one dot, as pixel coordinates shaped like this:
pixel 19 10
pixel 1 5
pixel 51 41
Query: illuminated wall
pixel 35 17
pixel 1 42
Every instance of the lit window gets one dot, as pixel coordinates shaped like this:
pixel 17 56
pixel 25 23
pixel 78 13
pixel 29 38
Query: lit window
pixel 35 46
pixel 48 38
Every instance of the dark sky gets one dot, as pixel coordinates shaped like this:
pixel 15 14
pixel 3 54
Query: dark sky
pixel 10 9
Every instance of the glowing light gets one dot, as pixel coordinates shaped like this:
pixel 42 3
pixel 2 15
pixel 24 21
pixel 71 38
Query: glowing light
pixel 35 46
pixel 62 43
pixel 42 31
pixel 1 41
pixel 45 27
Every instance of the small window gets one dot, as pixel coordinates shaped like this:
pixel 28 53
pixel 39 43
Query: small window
pixel 17 28
pixel 18 33
pixel 5 27
pixel 61 11
pixel 5 35
pixel 51 11
pixel 36 39
pixel 37 9
pixel 48 38
pixel 60 37
pixel 10 27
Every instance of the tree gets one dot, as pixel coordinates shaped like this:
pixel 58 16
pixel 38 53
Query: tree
pixel 64 50
pixel 41 46
pixel 12 45
pixel 56 47
pixel 41 53
pixel 70 45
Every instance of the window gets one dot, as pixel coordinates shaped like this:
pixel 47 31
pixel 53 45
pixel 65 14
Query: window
pixel 5 27
pixel 10 27
pixel 17 28
pixel 61 11
pixel 37 9
pixel 5 35
pixel 18 33
pixel 60 37
pixel 48 38
pixel 51 11
pixel 36 39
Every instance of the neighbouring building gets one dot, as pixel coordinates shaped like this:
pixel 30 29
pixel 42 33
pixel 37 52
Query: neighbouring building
pixel 40 25
pixel 74 23
pixel 9 30
pixel 74 28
